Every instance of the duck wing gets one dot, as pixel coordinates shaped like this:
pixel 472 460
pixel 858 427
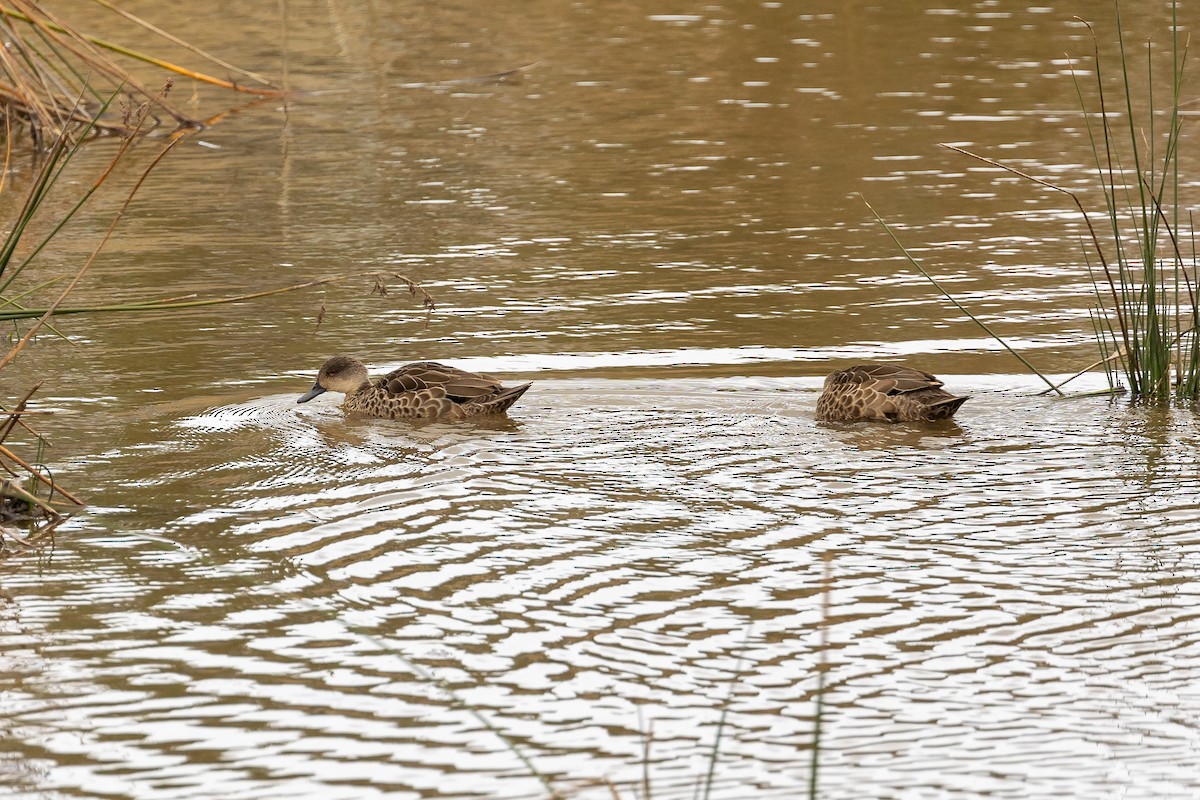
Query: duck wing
pixel 458 384
pixel 886 378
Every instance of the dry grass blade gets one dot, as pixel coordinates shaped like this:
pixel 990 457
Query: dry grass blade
pixel 187 46
pixel 414 290
pixel 38 474
pixel 21 503
pixel 320 314
pixel 36 536
pixel 14 416
pixel 647 742
pixel 60 33
pixel 11 491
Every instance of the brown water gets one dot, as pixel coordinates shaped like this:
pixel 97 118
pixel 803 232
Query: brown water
pixel 658 225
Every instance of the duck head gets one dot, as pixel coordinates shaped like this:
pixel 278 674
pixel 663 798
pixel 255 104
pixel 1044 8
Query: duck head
pixel 338 374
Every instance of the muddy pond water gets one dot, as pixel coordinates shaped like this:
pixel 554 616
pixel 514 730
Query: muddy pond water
pixel 658 224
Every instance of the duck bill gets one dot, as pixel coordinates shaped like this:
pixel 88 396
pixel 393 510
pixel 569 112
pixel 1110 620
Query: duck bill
pixel 313 392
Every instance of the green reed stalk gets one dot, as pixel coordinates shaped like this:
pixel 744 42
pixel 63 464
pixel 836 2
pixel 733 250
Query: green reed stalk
pixel 1153 299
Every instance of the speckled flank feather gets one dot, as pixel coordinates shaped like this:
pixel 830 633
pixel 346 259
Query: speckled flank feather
pixel 435 395
pixel 885 392
pixel 425 390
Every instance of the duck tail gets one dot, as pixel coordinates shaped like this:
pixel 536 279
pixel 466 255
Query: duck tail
pixel 944 409
pixel 502 400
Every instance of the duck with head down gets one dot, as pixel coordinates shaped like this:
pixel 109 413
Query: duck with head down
pixel 425 390
pixel 885 393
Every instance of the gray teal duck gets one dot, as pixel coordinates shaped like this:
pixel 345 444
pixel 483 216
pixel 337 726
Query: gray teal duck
pixel 886 393
pixel 425 390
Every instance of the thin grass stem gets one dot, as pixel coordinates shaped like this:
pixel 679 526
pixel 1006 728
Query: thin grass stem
pixel 180 42
pixel 822 668
pixel 917 265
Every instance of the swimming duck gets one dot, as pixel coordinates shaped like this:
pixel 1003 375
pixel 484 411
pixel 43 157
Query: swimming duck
pixel 425 390
pixel 885 392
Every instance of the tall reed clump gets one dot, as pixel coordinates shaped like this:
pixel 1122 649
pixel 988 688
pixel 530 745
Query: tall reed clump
pixel 1151 297
pixel 1141 258
pixel 60 85
pixel 28 493
pixel 55 77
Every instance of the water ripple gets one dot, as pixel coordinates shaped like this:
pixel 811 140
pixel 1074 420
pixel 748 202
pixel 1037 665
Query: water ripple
pixel 1011 603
